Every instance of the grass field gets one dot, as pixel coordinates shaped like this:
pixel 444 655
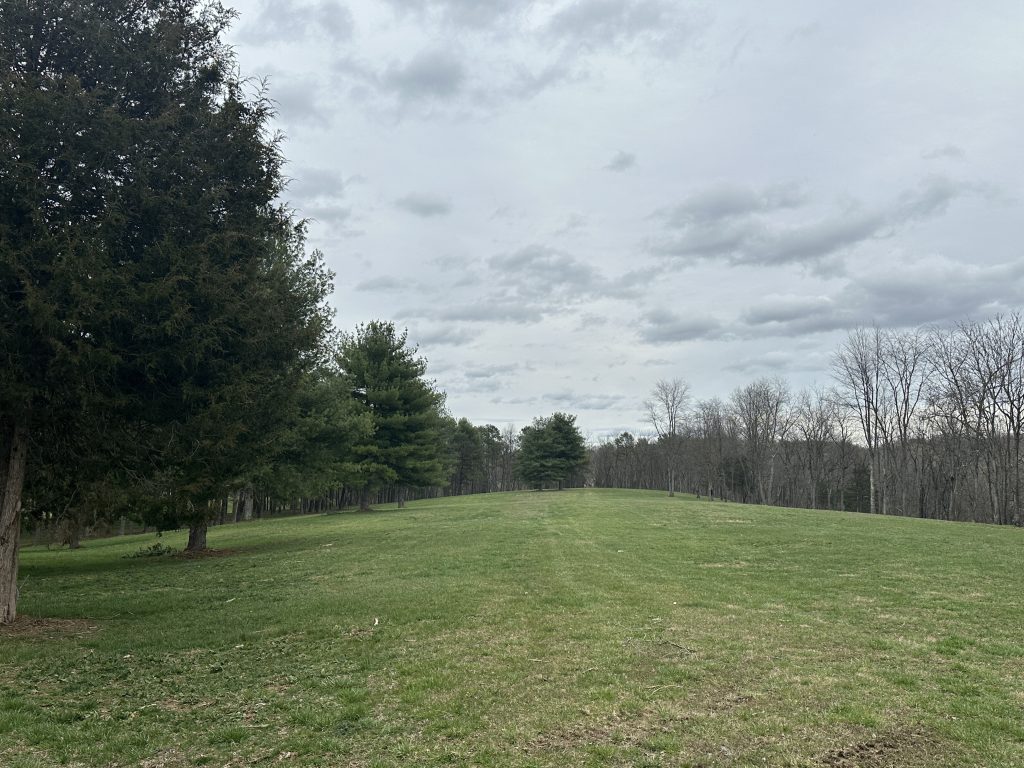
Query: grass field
pixel 586 628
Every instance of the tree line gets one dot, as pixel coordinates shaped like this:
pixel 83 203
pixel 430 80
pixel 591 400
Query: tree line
pixel 924 422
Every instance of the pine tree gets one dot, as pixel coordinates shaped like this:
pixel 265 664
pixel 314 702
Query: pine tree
pixel 387 378
pixel 154 298
pixel 551 450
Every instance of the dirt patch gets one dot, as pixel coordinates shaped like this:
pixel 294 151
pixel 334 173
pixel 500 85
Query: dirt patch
pixel 32 627
pixel 893 750
pixel 619 729
pixel 166 758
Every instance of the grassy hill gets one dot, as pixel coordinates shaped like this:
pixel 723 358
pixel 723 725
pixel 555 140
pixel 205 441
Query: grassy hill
pixel 535 629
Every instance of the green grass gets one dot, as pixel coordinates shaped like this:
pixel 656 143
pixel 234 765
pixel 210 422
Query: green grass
pixel 586 628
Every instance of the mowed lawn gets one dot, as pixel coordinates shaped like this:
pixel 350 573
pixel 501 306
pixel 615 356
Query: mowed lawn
pixel 588 628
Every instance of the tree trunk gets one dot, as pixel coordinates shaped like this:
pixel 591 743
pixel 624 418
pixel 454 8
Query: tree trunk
pixel 247 502
pixel 13 451
pixel 73 532
pixel 871 484
pixel 196 537
pixel 671 481
pixel 364 499
pixel 401 497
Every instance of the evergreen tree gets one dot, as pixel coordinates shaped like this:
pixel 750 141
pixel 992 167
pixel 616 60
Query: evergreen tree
pixel 153 296
pixel 551 450
pixel 386 377
pixel 314 454
pixel 467 457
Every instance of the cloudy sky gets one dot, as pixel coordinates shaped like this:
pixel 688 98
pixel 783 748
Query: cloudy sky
pixel 565 201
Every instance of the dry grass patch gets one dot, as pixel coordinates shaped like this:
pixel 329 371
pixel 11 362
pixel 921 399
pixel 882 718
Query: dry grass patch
pixel 31 627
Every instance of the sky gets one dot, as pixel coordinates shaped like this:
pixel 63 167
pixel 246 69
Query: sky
pixel 566 201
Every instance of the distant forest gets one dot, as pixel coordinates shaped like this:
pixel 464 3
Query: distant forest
pixel 923 423
pixel 920 423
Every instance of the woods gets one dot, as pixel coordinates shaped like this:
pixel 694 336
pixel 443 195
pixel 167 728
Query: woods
pixel 923 422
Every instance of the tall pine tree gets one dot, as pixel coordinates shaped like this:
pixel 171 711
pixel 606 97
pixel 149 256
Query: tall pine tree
pixel 385 375
pixel 150 284
pixel 551 450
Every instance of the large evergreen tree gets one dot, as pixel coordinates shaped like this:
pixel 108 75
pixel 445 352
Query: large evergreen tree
pixel 551 450
pixel 153 296
pixel 387 377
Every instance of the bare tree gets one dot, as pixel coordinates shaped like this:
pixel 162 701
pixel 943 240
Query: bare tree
pixel 762 410
pixel 815 422
pixel 857 370
pixel 977 400
pixel 666 411
pixel 904 374
pixel 714 432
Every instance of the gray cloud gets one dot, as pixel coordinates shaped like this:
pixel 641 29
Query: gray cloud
pixel 574 401
pixel 319 195
pixel 537 270
pixel 726 202
pixel 490 371
pixel 298 102
pixel 333 213
pixel 936 291
pixel 477 14
pixel 588 321
pixel 540 273
pixel 383 284
pixel 424 205
pixel 574 223
pixel 429 75
pixel 438 77
pixel 901 295
pixel 663 326
pixel 786 308
pixel 528 285
pixel 945 152
pixel 311 183
pixel 525 82
pixel 621 161
pixel 792 315
pixel 468 280
pixel 593 24
pixel 775 360
pixel 291 21
pixel 492 311
pixel 446 335
pixel 743 226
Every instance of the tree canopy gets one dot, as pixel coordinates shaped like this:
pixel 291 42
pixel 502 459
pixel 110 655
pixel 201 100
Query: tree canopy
pixel 551 449
pixel 156 301
pixel 387 378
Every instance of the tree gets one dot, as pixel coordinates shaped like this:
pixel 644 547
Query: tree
pixel 815 422
pixel 551 450
pixel 387 378
pixel 857 368
pixel 63 141
pixel 468 459
pixel 761 410
pixel 314 455
pixel 665 411
pixel 148 278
